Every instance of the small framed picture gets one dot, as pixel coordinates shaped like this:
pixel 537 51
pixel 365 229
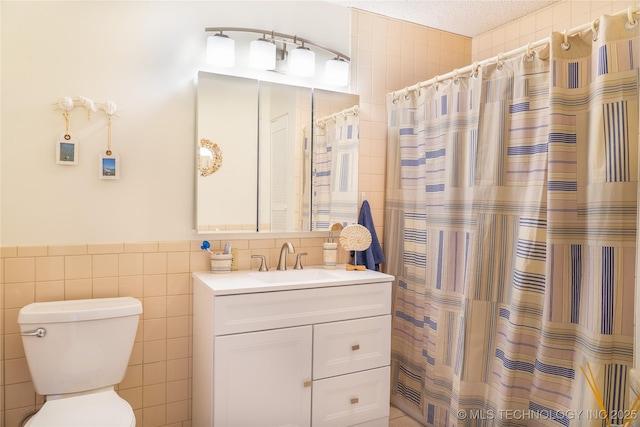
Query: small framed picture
pixel 109 166
pixel 66 150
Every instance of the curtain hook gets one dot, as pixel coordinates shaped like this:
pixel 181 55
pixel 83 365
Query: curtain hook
pixel 456 79
pixel 594 28
pixel 631 23
pixel 436 81
pixel 528 57
pixel 475 67
pixel 406 94
pixel 565 45
pixel 500 61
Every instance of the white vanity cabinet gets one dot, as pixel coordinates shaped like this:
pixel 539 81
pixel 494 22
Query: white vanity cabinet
pixel 300 353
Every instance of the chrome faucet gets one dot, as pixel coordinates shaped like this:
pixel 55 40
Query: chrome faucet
pixel 282 261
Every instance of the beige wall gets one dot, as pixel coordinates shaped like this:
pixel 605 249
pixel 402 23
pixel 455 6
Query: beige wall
pixel 144 56
pixel 387 55
pixel 157 382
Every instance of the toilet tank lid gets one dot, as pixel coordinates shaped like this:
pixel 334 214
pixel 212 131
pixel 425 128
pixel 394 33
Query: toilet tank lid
pixel 79 310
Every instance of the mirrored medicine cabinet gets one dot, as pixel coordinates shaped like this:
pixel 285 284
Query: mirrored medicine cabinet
pixel 273 158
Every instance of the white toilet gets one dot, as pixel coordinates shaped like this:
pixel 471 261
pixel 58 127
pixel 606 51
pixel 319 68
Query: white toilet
pixel 77 350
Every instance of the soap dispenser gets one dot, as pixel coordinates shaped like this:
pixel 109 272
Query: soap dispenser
pixel 330 249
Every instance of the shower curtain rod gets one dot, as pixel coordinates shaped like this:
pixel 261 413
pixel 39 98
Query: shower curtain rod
pixel 528 49
pixel 353 110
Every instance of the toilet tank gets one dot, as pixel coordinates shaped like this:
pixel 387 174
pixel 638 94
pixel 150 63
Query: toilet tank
pixel 86 346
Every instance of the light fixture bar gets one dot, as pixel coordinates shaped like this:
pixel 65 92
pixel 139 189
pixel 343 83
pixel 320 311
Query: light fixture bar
pixel 276 34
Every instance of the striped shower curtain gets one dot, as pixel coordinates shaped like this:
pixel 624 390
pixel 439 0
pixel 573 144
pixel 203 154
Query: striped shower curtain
pixel 511 230
pixel 334 183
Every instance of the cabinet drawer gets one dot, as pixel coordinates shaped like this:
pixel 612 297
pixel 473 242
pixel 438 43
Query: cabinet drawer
pixel 350 346
pixel 351 399
pixel 271 310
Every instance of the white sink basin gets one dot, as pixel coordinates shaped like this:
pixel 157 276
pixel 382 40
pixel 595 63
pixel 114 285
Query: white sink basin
pixel 298 276
pixel 245 281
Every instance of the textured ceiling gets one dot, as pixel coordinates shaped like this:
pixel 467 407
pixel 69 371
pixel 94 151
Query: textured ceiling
pixel 466 17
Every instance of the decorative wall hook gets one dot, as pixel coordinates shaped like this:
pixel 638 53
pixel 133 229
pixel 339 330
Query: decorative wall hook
pixel 66 103
pixel 67 147
pixel 88 104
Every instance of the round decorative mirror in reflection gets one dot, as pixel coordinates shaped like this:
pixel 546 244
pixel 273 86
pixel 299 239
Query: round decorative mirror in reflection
pixel 209 157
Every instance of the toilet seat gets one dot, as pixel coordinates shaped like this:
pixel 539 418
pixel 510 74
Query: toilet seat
pixel 102 409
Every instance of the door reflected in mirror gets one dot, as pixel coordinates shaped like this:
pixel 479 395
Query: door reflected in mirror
pixel 284 143
pixel 285 157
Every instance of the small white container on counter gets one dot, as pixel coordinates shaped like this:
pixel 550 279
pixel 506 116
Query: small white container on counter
pixel 221 263
pixel 329 255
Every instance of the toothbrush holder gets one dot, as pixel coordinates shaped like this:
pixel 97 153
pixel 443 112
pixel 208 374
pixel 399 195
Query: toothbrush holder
pixel 221 263
pixel 329 255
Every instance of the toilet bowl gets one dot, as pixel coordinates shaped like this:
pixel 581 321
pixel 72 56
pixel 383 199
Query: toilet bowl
pixel 77 351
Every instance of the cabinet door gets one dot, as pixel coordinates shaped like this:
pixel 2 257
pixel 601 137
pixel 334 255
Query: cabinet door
pixel 262 379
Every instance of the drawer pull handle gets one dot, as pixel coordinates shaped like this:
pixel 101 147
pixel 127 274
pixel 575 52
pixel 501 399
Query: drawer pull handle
pixel 354 400
pixel 355 347
pixel 307 384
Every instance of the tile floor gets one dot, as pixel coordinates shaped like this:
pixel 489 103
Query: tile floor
pixel 397 418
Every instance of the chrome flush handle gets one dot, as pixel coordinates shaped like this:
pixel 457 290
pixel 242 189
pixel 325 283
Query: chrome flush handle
pixel 40 332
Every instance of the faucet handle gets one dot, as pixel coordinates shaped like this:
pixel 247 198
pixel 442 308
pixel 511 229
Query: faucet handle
pixel 263 262
pixel 298 265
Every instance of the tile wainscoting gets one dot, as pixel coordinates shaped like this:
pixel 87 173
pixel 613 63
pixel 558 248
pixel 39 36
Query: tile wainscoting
pixel 158 379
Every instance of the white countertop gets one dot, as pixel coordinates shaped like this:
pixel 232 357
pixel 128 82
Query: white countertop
pixel 251 281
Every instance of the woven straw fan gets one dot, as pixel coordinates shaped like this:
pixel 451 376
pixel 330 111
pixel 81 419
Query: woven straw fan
pixel 355 237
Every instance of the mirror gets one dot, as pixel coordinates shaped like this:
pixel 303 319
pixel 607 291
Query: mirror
pixel 336 140
pixel 273 157
pixel 226 116
pixel 284 144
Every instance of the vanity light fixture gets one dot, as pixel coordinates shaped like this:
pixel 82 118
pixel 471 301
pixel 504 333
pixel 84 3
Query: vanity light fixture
pixel 262 54
pixel 221 50
pixel 271 53
pixel 336 71
pixel 302 62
